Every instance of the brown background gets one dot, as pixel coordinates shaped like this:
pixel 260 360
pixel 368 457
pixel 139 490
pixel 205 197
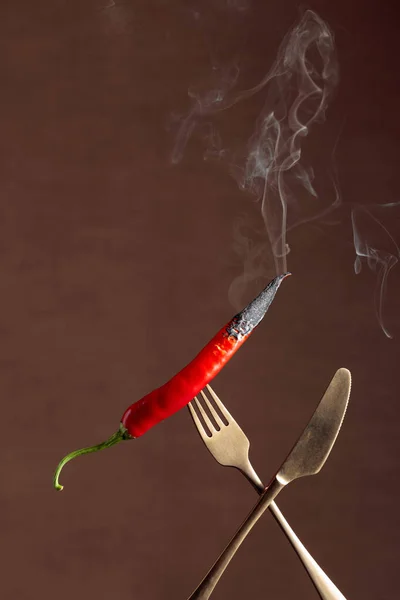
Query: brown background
pixel 114 272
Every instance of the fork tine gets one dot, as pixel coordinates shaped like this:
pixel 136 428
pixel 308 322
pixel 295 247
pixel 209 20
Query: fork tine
pixel 212 410
pixel 220 405
pixel 205 416
pixel 197 422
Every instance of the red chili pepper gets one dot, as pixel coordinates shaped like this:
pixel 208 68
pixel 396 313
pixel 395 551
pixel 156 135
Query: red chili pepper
pixel 181 389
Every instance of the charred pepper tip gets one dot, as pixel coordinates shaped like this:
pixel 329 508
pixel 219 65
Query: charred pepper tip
pixel 256 310
pixel 118 436
pixel 248 319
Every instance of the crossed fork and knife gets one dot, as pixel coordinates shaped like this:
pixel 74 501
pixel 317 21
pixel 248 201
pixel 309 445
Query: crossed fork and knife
pixel 230 447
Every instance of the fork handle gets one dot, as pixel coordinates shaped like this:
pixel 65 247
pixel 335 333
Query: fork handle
pixel 326 589
pixel 206 587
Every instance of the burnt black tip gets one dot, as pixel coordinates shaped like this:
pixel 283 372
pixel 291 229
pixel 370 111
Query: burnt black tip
pixel 244 322
pixel 257 309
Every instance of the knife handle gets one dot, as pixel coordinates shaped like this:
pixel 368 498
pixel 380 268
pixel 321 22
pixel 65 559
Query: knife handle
pixel 206 587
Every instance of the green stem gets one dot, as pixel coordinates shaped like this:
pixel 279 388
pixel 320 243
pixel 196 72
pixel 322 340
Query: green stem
pixel 117 437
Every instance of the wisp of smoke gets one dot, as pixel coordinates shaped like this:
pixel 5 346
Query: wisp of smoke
pixel 375 246
pixel 297 89
pixel 297 97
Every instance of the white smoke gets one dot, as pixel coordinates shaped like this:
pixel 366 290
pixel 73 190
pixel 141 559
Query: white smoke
pixel 297 89
pixel 295 92
pixel 374 246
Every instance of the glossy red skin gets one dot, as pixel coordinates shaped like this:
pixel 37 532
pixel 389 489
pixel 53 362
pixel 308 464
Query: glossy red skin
pixel 181 389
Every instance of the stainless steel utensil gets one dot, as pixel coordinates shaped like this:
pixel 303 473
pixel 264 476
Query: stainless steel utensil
pixel 306 458
pixel 229 445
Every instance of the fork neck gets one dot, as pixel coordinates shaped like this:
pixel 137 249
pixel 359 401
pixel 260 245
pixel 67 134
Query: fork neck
pixel 252 476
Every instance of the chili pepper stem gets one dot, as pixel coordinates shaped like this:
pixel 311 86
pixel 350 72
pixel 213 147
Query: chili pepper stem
pixel 118 436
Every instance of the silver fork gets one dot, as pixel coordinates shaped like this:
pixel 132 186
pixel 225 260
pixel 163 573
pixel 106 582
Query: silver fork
pixel 230 447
